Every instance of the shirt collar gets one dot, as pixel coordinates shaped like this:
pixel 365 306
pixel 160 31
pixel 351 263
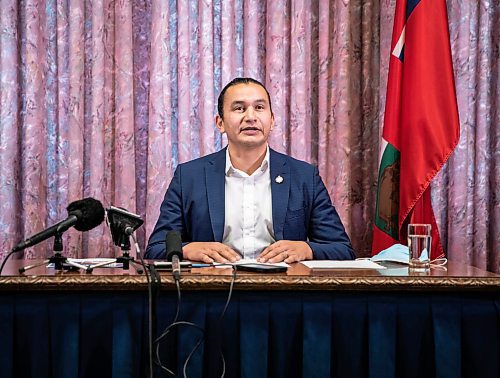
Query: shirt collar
pixel 230 170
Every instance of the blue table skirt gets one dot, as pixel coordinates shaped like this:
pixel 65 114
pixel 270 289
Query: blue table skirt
pixel 263 334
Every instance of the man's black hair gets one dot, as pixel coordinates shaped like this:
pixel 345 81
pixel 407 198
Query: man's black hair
pixel 236 81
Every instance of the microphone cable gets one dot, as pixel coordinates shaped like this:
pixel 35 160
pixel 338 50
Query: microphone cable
pixel 12 251
pixel 219 321
pixel 177 322
pixel 150 304
pixel 166 331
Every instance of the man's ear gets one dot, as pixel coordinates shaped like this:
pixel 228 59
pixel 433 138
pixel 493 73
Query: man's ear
pixel 220 124
pixel 272 122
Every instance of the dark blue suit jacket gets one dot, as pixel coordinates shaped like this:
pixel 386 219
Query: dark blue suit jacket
pixel 302 209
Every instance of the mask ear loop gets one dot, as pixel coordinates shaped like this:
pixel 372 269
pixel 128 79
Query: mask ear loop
pixel 439 263
pixel 436 263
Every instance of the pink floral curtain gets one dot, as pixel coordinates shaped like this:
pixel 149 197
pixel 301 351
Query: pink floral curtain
pixel 104 98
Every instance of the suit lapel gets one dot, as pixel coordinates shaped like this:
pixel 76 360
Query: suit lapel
pixel 280 190
pixel 214 176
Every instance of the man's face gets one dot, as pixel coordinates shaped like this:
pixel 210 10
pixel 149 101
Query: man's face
pixel 247 116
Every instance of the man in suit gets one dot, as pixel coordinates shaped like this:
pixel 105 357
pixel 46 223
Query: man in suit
pixel 247 200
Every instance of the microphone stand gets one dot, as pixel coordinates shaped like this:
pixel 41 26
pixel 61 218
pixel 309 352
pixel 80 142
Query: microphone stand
pixel 57 259
pixel 125 259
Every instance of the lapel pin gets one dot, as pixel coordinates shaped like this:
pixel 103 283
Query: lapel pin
pixel 279 179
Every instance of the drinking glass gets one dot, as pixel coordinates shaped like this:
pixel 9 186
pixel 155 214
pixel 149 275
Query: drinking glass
pixel 419 245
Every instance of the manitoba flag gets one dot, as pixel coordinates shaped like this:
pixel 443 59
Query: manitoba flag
pixel 421 126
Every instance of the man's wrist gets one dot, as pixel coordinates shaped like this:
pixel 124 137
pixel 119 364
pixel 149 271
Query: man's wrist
pixel 310 253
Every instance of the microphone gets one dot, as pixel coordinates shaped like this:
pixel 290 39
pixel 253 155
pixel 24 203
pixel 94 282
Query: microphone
pixel 84 215
pixel 174 252
pixel 122 224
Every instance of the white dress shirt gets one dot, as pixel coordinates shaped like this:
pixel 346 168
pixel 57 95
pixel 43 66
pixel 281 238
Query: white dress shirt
pixel 248 221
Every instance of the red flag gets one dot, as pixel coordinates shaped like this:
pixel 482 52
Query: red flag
pixel 421 126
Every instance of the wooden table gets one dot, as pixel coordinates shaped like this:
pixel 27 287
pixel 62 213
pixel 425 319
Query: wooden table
pixel 354 323
pixel 455 277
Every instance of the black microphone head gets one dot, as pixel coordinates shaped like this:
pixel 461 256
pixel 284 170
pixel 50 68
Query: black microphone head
pixel 89 212
pixel 122 223
pixel 173 245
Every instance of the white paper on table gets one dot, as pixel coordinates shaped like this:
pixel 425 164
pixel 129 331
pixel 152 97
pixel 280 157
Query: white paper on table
pixel 249 261
pixel 342 264
pixel 111 263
